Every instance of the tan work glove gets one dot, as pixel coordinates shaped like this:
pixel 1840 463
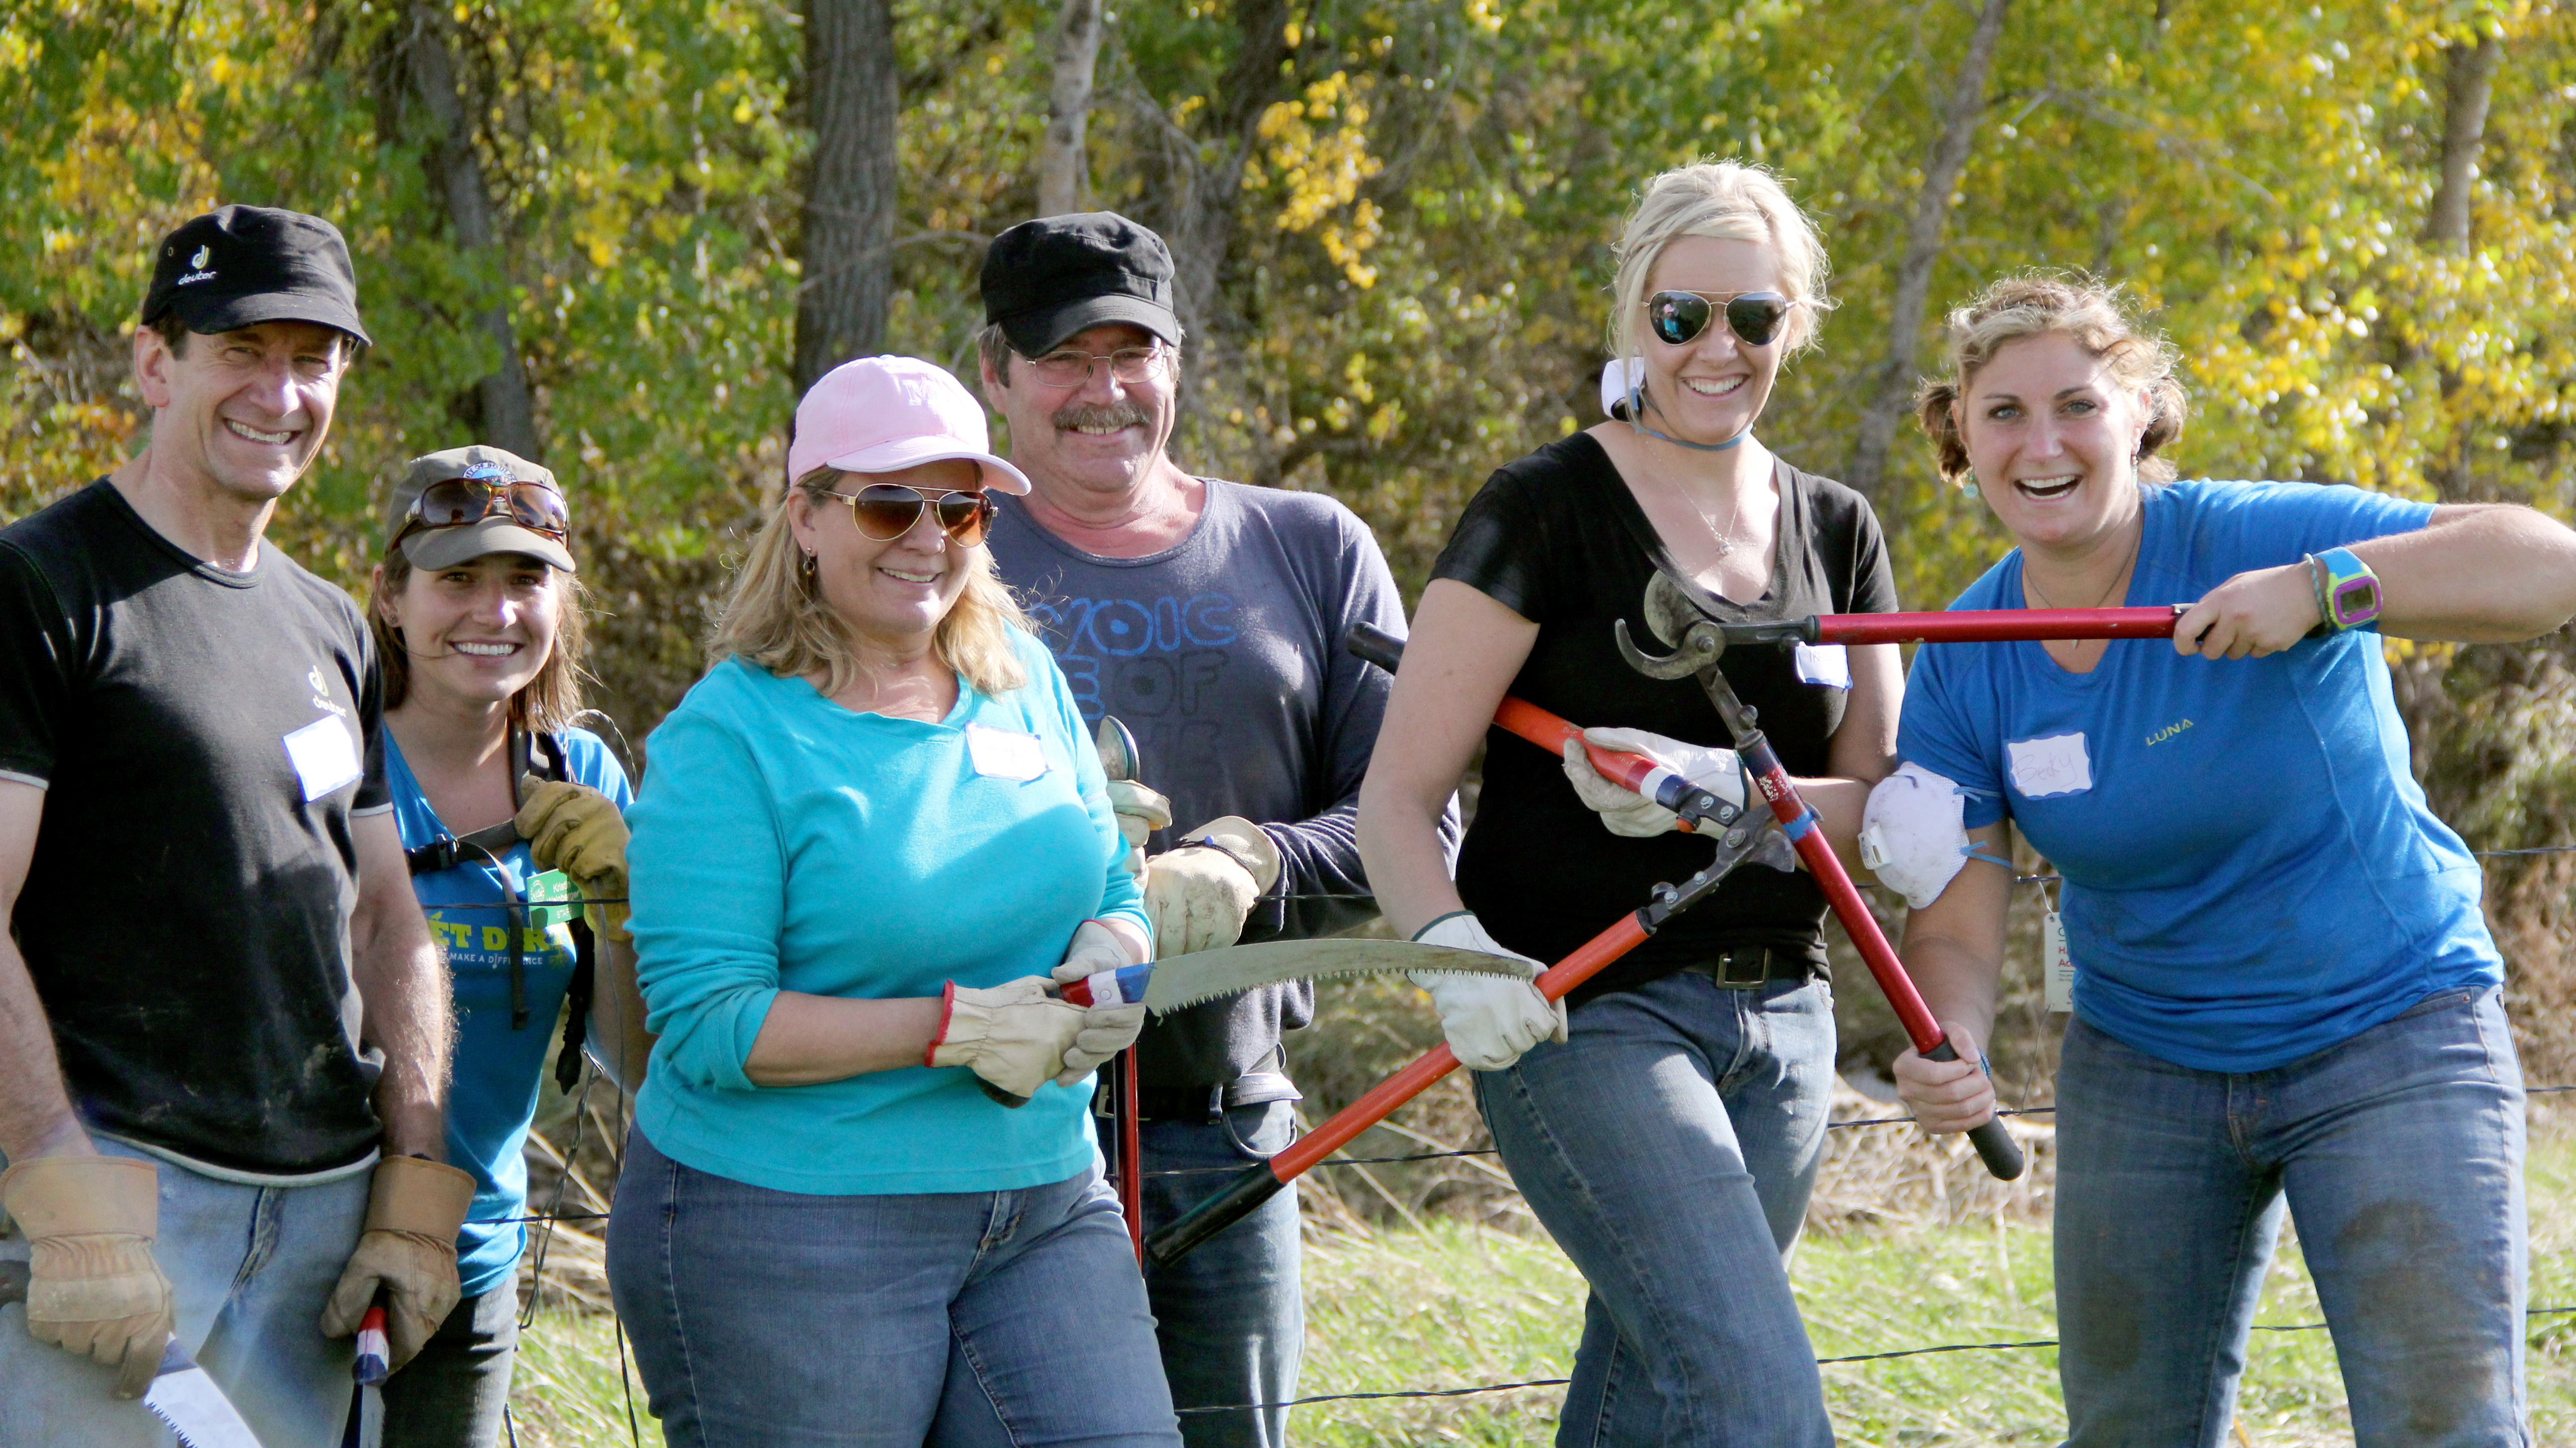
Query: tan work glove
pixel 407 1251
pixel 1140 812
pixel 1106 1030
pixel 1014 1035
pixel 94 1287
pixel 1197 894
pixel 576 829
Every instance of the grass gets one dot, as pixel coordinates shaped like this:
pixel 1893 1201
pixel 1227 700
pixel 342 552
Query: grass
pixel 1453 1304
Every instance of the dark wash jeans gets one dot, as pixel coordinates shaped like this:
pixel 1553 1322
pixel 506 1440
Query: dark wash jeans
pixel 1668 1146
pixel 1228 1315
pixel 2399 1152
pixel 454 1392
pixel 954 1319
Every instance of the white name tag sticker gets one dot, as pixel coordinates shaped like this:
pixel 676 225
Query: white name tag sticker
pixel 325 757
pixel 2056 966
pixel 1826 664
pixel 1004 753
pixel 2050 766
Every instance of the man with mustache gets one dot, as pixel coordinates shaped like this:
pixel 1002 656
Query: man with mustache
pixel 1208 617
pixel 223 1027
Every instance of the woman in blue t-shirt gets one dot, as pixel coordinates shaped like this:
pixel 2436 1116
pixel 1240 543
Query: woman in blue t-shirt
pixel 2284 988
pixel 862 1201
pixel 477 619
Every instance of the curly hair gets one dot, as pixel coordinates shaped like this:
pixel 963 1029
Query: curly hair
pixel 2085 309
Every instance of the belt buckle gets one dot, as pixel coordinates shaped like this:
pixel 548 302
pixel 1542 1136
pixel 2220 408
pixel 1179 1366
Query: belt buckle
pixel 1731 965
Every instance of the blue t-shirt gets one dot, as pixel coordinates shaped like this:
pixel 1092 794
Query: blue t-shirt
pixel 2251 872
pixel 498 1069
pixel 785 843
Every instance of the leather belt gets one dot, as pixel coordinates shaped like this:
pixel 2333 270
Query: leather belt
pixel 1210 1103
pixel 1751 967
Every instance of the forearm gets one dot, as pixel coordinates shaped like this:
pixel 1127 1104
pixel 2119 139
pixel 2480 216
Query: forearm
pixel 2488 574
pixel 809 1039
pixel 35 1110
pixel 1838 804
pixel 1957 981
pixel 403 982
pixel 1399 844
pixel 617 1032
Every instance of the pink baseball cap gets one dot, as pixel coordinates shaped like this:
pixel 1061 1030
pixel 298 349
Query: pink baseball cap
pixel 882 414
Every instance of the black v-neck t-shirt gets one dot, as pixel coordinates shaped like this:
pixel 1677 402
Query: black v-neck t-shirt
pixel 1554 537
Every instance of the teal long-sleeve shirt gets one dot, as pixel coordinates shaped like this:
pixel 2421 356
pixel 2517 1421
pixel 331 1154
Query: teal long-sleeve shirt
pixel 782 842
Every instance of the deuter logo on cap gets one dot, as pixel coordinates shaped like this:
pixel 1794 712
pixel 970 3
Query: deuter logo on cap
pixel 201 274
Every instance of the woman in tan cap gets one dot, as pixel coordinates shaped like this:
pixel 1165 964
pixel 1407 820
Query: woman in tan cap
pixel 479 623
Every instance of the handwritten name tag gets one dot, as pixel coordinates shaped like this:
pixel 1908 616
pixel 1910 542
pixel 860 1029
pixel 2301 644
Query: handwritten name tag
pixel 1825 664
pixel 2049 766
pixel 325 757
pixel 1004 753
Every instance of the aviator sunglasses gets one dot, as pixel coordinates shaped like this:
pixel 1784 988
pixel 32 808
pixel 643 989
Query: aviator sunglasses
pixel 462 502
pixel 1678 317
pixel 887 511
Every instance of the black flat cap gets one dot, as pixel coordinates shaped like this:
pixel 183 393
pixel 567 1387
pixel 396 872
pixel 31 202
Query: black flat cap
pixel 1047 279
pixel 238 266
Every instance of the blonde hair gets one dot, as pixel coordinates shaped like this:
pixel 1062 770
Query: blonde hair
pixel 1733 202
pixel 777 618
pixel 544 704
pixel 2083 309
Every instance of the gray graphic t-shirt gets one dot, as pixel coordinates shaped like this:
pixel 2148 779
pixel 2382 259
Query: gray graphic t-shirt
pixel 1223 655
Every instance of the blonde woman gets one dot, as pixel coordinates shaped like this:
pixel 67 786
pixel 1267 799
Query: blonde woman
pixel 2285 989
pixel 1666 1129
pixel 862 1201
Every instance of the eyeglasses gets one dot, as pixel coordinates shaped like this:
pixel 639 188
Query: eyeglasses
pixel 466 501
pixel 1070 368
pixel 887 511
pixel 1676 318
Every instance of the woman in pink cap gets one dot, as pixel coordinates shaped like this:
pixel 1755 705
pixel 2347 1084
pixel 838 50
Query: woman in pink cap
pixel 862 1203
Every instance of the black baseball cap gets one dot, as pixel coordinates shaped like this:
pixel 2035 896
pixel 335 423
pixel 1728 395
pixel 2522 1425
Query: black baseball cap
pixel 1047 279
pixel 238 266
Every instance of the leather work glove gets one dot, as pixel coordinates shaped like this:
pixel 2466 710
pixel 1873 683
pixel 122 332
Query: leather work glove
pixel 1632 815
pixel 1106 1030
pixel 1015 1036
pixel 578 830
pixel 1140 812
pixel 1198 892
pixel 407 1251
pixel 94 1288
pixel 1489 1020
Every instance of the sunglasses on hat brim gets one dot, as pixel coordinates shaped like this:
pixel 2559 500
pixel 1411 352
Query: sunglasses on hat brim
pixel 1678 318
pixel 464 502
pixel 887 511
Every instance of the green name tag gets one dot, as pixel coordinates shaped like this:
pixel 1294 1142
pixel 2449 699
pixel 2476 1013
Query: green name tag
pixel 553 899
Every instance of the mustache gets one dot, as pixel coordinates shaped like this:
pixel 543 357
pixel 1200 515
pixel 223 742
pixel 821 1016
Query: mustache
pixel 1085 414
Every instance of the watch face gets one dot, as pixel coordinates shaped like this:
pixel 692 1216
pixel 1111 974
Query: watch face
pixel 2356 600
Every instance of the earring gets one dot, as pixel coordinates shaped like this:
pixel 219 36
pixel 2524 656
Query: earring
pixel 1968 486
pixel 810 563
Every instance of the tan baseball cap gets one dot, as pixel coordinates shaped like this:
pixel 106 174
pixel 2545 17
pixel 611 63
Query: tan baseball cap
pixel 499 533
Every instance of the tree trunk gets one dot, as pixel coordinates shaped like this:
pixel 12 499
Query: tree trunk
pixel 2471 80
pixel 1209 178
pixel 1062 162
pixel 507 412
pixel 848 246
pixel 1892 389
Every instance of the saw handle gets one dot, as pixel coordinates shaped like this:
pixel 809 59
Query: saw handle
pixel 1124 986
pixel 1632 772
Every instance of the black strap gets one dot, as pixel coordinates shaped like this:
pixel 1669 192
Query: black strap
pixel 577 998
pixel 489 844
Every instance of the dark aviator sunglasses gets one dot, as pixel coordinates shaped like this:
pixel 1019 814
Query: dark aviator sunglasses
pixel 463 502
pixel 1676 318
pixel 887 511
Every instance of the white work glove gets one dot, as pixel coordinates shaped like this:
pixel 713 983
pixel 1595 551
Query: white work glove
pixel 1632 815
pixel 1140 812
pixel 1106 1030
pixel 1489 1019
pixel 1016 1035
pixel 1197 895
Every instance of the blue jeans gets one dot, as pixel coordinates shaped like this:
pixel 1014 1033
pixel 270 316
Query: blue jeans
pixel 1228 1315
pixel 961 1320
pixel 249 1269
pixel 2399 1152
pixel 456 1391
pixel 1668 1146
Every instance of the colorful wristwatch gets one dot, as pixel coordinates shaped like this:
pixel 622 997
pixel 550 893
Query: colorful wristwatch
pixel 2347 591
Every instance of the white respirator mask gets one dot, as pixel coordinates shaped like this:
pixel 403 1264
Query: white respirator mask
pixel 1913 835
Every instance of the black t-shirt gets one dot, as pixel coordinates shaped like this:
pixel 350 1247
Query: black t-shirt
pixel 1545 538
pixel 204 738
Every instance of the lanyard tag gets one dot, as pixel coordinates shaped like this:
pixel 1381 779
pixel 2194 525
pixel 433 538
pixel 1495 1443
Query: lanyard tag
pixel 2056 966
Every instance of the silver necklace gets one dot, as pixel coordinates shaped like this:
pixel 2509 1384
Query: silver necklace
pixel 1734 505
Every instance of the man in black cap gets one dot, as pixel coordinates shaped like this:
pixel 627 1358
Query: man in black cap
pixel 223 1029
pixel 1208 617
